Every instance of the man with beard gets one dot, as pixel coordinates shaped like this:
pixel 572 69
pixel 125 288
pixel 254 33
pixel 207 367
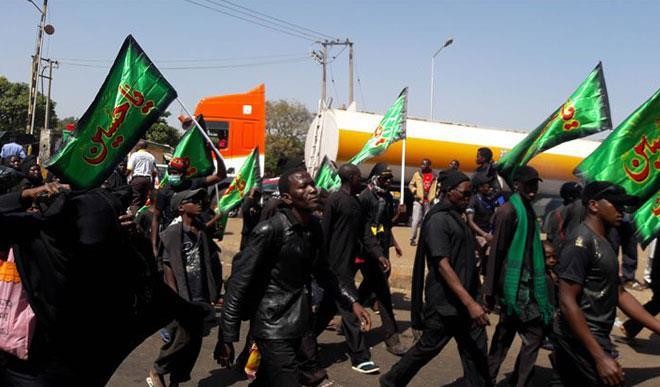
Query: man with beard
pixel 590 291
pixel 451 309
pixel 516 277
pixel 381 213
pixel 271 284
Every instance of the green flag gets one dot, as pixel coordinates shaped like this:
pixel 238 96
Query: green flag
pixel 326 177
pixel 248 176
pixel 587 111
pixel 194 148
pixel 391 129
pixel 647 220
pixel 630 155
pixel 133 96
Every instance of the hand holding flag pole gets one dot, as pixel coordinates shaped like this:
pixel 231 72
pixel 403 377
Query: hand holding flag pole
pixel 206 136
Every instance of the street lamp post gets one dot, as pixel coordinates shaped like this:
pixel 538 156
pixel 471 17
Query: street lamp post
pixel 447 43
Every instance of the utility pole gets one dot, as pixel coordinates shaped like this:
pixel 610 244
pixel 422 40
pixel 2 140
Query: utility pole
pixel 36 61
pixel 322 58
pixel 324 75
pixel 350 72
pixel 50 80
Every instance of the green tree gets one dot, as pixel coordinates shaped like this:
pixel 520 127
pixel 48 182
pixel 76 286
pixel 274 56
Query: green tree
pixel 14 106
pixel 287 123
pixel 163 133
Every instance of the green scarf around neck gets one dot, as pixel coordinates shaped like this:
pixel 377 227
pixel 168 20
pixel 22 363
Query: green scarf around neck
pixel 515 257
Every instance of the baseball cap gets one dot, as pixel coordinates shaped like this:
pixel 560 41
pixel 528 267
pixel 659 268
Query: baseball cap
pixel 611 192
pixel 526 174
pixel 185 195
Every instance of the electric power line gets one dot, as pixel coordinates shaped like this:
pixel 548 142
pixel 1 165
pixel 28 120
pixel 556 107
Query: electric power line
pixel 207 67
pixel 279 20
pixel 288 32
pixel 197 60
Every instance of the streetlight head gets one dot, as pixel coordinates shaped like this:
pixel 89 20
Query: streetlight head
pixel 449 42
pixel 49 29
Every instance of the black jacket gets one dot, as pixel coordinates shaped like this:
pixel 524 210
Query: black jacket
pixel 170 251
pixel 378 213
pixel 278 264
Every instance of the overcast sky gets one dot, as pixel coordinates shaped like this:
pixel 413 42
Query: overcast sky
pixel 512 62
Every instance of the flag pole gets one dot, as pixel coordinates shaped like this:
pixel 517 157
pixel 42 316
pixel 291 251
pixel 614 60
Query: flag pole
pixel 403 168
pixel 206 136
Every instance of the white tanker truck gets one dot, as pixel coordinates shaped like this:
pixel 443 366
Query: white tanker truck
pixel 340 134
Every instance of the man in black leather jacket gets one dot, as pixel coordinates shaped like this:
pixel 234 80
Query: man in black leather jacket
pixel 277 265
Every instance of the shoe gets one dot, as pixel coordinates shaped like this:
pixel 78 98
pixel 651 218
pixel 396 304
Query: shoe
pixel 155 379
pixel 368 367
pixel 394 345
pixel 627 336
pixel 328 383
pixel 634 285
pixel 413 243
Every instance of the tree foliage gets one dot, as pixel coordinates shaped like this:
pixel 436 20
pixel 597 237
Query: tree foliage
pixel 14 107
pixel 163 133
pixel 287 123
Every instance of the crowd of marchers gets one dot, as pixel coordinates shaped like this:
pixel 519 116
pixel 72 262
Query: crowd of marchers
pixel 103 269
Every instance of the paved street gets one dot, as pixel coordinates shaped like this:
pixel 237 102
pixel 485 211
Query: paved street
pixel 641 362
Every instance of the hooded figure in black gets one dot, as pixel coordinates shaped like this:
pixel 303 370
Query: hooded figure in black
pixel 450 309
pixel 73 258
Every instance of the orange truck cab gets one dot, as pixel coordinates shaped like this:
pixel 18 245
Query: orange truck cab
pixel 236 123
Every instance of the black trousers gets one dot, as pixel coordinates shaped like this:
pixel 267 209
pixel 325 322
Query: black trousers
pixel 355 338
pixel 532 334
pixel 140 186
pixel 574 364
pixel 178 356
pixel 17 378
pixel 279 365
pixel 375 283
pixel 624 237
pixel 472 346
pixel 653 306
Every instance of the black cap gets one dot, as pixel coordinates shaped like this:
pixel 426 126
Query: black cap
pixel 480 178
pixel 526 174
pixel 380 169
pixel 451 179
pixel 185 195
pixel 611 192
pixel 570 190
